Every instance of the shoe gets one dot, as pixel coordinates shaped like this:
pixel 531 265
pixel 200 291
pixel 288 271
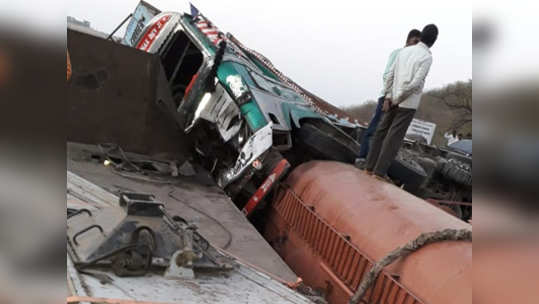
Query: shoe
pixel 369 172
pixel 360 163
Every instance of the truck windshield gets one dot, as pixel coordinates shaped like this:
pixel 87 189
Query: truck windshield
pixel 181 60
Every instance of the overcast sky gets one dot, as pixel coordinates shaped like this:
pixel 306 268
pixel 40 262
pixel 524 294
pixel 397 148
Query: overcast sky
pixel 336 49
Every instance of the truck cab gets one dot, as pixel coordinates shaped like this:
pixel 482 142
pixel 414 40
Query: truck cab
pixel 244 117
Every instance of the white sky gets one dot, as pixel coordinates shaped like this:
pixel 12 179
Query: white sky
pixel 511 55
pixel 336 49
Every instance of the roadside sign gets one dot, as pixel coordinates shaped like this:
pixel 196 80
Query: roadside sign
pixel 421 128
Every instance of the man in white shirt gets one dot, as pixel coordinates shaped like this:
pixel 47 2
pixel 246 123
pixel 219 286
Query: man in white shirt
pixel 402 90
pixel 413 38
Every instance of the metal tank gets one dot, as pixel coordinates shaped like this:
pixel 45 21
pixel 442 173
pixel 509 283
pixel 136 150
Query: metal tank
pixel 330 222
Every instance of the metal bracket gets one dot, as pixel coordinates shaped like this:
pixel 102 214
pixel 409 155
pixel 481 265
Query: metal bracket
pixel 79 212
pixel 85 230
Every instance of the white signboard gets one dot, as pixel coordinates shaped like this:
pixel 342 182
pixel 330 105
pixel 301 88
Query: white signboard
pixel 422 128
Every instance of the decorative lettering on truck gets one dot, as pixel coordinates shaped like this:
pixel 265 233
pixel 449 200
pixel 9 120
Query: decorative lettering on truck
pixel 150 35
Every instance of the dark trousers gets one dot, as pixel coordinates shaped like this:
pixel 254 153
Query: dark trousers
pixel 388 139
pixel 366 136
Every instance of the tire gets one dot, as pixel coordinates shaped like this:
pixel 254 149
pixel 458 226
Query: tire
pixel 408 172
pixel 327 142
pixel 457 171
pixel 429 166
pixel 459 157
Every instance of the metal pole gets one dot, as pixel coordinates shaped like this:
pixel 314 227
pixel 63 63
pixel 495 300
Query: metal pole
pixel 119 26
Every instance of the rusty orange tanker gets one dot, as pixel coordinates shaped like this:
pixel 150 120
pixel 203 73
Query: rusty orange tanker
pixel 331 221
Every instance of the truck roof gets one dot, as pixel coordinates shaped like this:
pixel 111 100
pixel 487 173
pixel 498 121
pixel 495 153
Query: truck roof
pixel 211 36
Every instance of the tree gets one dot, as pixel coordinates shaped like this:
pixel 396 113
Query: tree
pixel 363 112
pixel 458 98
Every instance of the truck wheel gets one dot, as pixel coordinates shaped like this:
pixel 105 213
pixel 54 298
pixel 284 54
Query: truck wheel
pixel 408 172
pixel 326 145
pixel 429 166
pixel 457 171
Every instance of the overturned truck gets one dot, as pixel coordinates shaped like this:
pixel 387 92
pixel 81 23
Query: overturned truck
pixel 245 116
pixel 247 123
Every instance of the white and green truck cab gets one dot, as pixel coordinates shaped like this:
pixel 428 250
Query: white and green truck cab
pixel 244 115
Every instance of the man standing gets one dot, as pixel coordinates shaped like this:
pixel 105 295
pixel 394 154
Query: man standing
pixel 402 91
pixel 412 39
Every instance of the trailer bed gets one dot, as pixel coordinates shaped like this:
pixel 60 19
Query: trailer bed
pixel 199 200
